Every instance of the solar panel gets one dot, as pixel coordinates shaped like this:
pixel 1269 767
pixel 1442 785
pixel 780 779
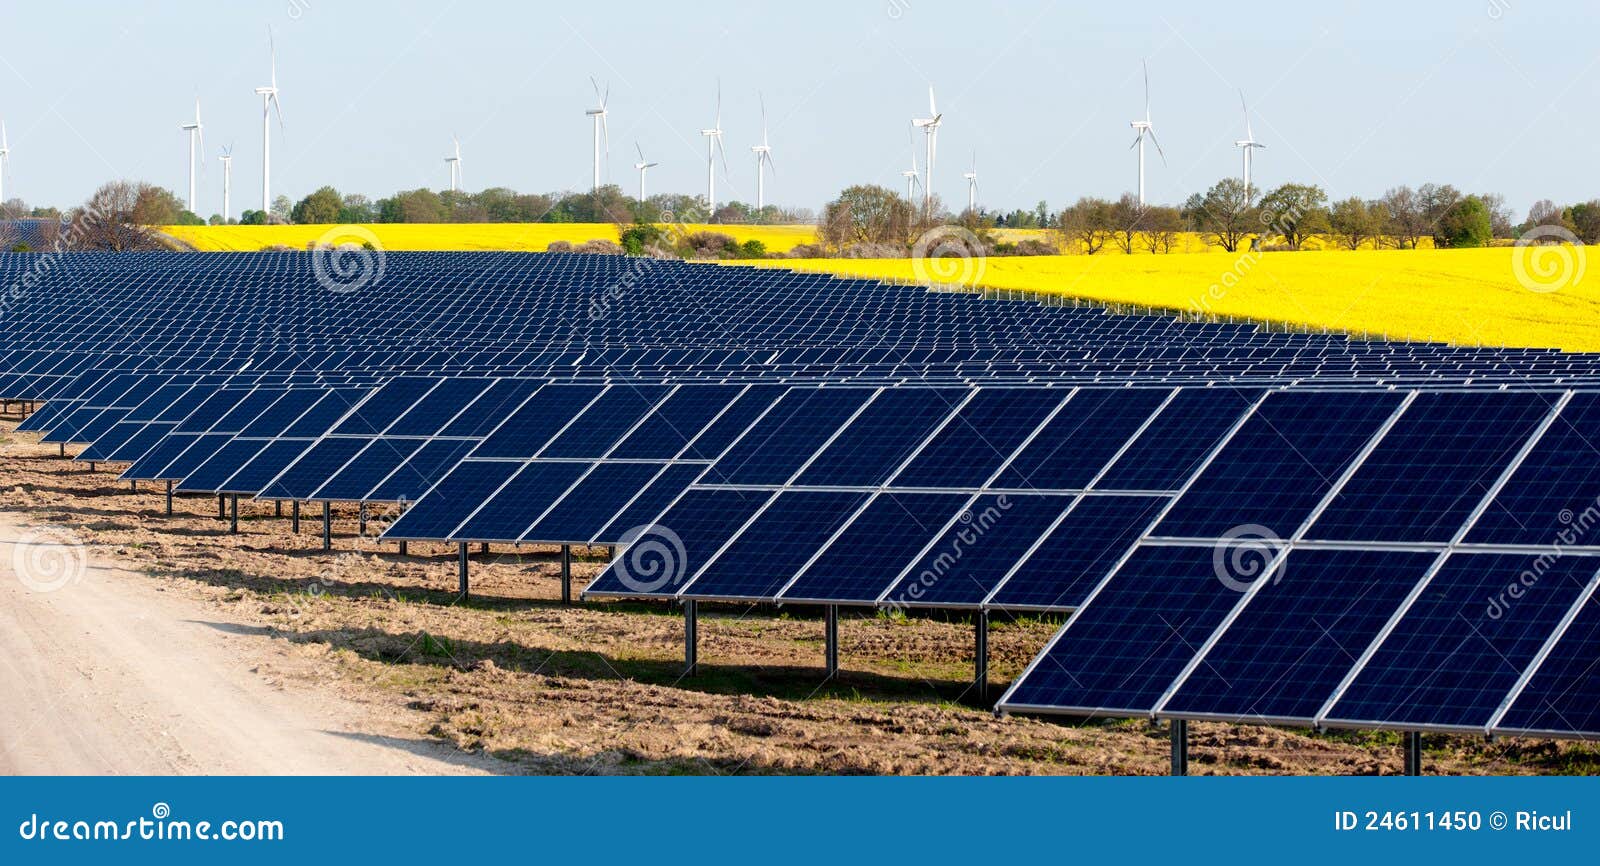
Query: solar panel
pixel 1118 654
pixel 880 439
pixel 861 563
pixel 490 409
pixel 977 550
pixel 1555 483
pixel 592 503
pixel 1453 656
pixel 1081 439
pixel 366 470
pixel 385 405
pixel 1433 467
pixel 605 422
pixel 786 438
pixel 1280 464
pixel 968 451
pixel 421 471
pixel 1077 553
pixel 539 419
pixel 1562 698
pixel 1285 654
pixel 1172 447
pixel 509 512
pixel 651 501
pixel 766 553
pixel 679 418
pixel 314 468
pixel 440 406
pixel 435 515
pixel 663 554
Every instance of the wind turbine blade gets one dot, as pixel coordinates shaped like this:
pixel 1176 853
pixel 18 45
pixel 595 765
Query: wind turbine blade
pixel 272 49
pixel 3 145
pixel 1146 90
pixel 933 108
pixel 606 100
pixel 763 118
pixel 1136 141
pixel 279 106
pixel 605 135
pixel 640 149
pixel 1158 145
pixel 767 155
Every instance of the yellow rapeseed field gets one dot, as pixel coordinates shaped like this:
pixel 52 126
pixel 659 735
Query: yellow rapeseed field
pixel 1510 296
pixel 520 237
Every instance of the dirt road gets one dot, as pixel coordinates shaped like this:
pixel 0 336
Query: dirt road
pixel 103 673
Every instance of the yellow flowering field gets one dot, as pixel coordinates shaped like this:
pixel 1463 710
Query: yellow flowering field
pixel 520 237
pixel 1511 296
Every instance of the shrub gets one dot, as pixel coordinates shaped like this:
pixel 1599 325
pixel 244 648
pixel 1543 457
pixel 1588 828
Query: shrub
pixel 599 246
pixel 753 249
pixel 559 247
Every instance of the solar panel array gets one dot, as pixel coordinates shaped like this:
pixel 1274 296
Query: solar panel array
pixel 1278 527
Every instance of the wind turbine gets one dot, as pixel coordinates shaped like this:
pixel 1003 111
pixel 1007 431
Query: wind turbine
pixel 713 138
pixel 455 165
pixel 1145 128
pixel 972 186
pixel 197 144
pixel 5 158
pixel 643 167
pixel 911 175
pixel 269 101
pixel 763 152
pixel 601 129
pixel 930 128
pixel 227 182
pixel 1247 144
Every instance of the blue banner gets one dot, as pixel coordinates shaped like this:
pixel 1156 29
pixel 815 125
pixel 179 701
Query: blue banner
pixel 794 820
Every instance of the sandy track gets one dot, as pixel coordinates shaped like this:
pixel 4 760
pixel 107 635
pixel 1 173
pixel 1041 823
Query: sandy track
pixel 108 674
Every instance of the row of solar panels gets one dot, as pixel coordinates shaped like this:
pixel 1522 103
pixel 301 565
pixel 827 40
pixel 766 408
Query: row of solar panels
pixel 506 314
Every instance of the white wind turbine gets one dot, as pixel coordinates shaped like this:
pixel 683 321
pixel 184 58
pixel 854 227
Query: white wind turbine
pixel 601 129
pixel 930 129
pixel 971 178
pixel 1145 128
pixel 1247 144
pixel 912 176
pixel 269 101
pixel 643 167
pixel 227 182
pixel 455 165
pixel 713 137
pixel 197 144
pixel 763 152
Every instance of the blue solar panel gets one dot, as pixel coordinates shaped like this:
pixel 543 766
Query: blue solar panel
pixel 433 412
pixel 319 419
pixel 1121 651
pixel 313 468
pixel 195 455
pixel 1292 645
pixel 606 421
pixel 421 471
pixel 1081 439
pixel 486 412
pixel 1559 479
pixel 970 558
pixel 1172 447
pixel 1280 463
pixel 1563 695
pixel 540 418
pixel 437 514
pixel 1433 467
pixel 878 545
pixel 140 444
pixel 367 469
pixel 289 407
pixel 777 446
pixel 874 445
pixel 210 476
pixel 678 544
pixel 732 423
pixel 650 502
pixel 1078 552
pixel 259 470
pixel 767 553
pixel 386 404
pixel 508 513
pixel 160 454
pixel 592 503
pixel 676 422
pixel 1455 654
pixel 968 451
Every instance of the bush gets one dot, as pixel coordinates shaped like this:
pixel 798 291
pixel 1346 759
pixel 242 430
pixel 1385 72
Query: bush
pixel 639 237
pixel 807 251
pixel 1035 247
pixel 599 246
pixel 1466 224
pixel 559 247
pixel 753 249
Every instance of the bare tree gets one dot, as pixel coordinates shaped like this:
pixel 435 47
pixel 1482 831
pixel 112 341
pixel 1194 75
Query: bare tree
pixel 1223 214
pixel 1128 221
pixel 1089 224
pixel 1162 225
pixel 1407 224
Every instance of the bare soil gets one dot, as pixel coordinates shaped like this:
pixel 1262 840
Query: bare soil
pixel 514 681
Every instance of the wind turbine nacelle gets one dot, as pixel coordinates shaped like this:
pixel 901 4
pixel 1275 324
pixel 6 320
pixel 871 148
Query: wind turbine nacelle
pixel 1140 125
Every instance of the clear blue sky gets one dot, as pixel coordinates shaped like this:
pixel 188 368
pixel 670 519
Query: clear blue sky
pixel 1491 95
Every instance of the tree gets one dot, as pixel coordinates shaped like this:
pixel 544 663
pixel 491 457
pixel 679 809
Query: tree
pixel 1127 219
pixel 1088 225
pixel 865 214
pixel 319 208
pixel 115 218
pixel 1162 225
pixel 1585 221
pixel 1223 213
pixel 1500 214
pixel 1406 223
pixel 357 208
pixel 1465 224
pixel 253 218
pixel 154 206
pixel 282 208
pixel 1437 201
pixel 1041 212
pixel 1294 212
pixel 1353 222
pixel 412 206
